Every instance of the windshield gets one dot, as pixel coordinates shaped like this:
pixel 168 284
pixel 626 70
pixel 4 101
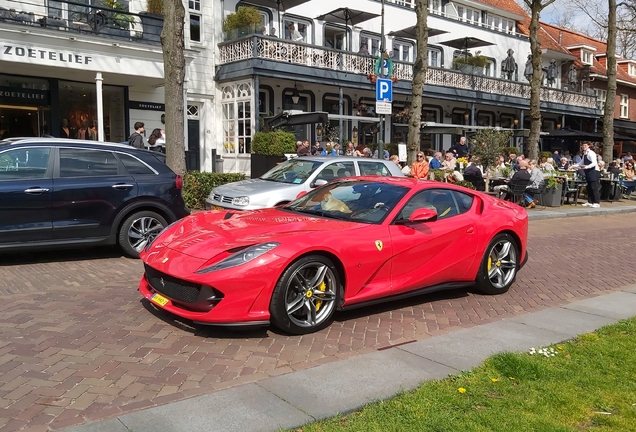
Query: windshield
pixel 352 200
pixel 295 171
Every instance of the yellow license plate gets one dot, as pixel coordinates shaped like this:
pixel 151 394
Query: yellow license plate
pixel 216 208
pixel 159 299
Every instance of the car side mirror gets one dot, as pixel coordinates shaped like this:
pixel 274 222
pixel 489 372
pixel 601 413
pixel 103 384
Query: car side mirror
pixel 318 183
pixel 418 216
pixel 301 194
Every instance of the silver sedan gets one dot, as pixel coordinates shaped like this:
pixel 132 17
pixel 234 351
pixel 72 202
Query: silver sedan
pixel 284 182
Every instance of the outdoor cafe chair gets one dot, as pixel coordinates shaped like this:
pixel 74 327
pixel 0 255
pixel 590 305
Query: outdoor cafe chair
pixel 540 193
pixel 571 187
pixel 516 189
pixel 476 180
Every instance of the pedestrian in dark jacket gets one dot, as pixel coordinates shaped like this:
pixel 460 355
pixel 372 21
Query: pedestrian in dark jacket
pixel 137 139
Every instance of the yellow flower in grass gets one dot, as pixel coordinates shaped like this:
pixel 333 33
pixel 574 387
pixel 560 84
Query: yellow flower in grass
pixel 559 347
pixel 461 390
pixel 511 378
pixel 494 379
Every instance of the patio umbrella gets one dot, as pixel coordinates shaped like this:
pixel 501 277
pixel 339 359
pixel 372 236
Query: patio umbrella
pixel 347 15
pixel 567 133
pixel 409 32
pixel 466 43
pixel 280 4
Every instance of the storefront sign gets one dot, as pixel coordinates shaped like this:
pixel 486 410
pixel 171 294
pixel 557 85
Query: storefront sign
pixel 148 106
pixel 44 54
pixel 20 96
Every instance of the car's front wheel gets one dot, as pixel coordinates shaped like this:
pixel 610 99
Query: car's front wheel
pixel 306 295
pixel 138 230
pixel 499 266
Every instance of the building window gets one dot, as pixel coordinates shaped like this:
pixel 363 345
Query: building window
pixel 402 51
pixel 297 30
pixel 434 57
pixel 335 37
pixel 194 5
pixel 435 7
pixel 624 106
pixel 586 57
pixel 371 42
pixel 237 118
pixel 497 23
pixel 195 28
pixel 469 15
pixel 631 69
pixel 601 96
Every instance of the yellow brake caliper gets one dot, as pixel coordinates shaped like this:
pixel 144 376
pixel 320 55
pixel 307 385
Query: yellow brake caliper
pixel 489 263
pixel 322 287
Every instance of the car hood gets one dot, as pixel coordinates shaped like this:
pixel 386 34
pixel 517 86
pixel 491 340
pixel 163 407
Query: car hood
pixel 206 234
pixel 250 187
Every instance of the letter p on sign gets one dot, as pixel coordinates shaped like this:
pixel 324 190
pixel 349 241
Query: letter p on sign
pixel 384 90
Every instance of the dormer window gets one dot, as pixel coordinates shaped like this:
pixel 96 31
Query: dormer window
pixel 586 57
pixel 632 69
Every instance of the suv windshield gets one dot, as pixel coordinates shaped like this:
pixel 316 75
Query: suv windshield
pixel 295 171
pixel 351 200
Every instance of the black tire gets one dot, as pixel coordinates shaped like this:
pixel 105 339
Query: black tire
pixel 306 296
pixel 137 230
pixel 499 265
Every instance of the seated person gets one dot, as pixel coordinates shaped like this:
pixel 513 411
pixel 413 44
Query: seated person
pixel 547 164
pixel 449 162
pixel 523 175
pixel 630 176
pixel 563 164
pixel 474 168
pixel 536 177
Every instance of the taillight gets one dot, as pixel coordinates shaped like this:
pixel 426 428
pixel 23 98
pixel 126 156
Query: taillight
pixel 179 181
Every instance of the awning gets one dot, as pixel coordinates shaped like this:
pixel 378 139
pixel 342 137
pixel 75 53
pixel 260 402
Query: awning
pixel 567 133
pixel 290 118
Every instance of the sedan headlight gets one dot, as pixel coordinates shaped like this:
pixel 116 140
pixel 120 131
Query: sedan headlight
pixel 241 201
pixel 242 257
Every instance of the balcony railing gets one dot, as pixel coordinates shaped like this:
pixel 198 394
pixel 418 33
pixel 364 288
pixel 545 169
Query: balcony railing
pixel 324 58
pixel 90 18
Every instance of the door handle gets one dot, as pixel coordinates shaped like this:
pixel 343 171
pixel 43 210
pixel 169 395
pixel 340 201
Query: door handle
pixel 122 186
pixel 35 190
pixel 470 230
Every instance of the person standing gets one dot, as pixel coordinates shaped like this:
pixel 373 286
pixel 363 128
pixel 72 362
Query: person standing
pixel 137 139
pixel 460 149
pixel 589 165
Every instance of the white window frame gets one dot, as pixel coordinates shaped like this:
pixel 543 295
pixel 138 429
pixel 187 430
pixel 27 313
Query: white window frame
pixel 601 96
pixel 624 106
pixel 429 57
pixel 631 69
pixel 400 44
pixel 234 96
pixel 586 57
pixel 190 15
pixel 370 37
pixel 435 7
pixel 307 38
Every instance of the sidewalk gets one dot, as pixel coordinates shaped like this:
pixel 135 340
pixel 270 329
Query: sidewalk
pixel 291 400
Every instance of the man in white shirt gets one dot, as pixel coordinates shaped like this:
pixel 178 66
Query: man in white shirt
pixel 589 165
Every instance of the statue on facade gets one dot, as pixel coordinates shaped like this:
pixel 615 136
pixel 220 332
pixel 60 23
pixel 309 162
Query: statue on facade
pixel 509 67
pixel 552 72
pixel 528 70
pixel 573 77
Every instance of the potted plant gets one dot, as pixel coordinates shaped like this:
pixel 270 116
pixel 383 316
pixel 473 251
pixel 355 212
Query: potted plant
pixel 269 149
pixel 473 64
pixel 553 192
pixel 242 22
pixel 152 20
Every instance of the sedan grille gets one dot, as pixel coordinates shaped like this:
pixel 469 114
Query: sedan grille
pixel 222 199
pixel 177 289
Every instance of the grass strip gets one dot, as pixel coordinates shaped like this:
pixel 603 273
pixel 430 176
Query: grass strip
pixel 585 384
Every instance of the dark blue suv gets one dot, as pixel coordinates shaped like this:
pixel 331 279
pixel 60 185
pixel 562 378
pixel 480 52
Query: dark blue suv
pixel 60 192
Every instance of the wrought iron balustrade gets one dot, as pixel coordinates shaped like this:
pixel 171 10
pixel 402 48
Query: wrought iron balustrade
pixel 270 48
pixel 89 17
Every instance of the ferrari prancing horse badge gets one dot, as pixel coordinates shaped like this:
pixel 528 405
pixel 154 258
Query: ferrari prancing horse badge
pixel 378 244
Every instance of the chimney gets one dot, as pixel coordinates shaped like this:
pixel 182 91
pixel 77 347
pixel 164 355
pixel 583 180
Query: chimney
pixel 560 37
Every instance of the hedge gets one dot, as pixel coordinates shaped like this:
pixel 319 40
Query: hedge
pixel 198 185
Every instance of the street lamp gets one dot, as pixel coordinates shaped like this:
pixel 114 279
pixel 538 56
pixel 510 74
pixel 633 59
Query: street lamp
pixel 319 130
pixel 295 95
pixel 354 135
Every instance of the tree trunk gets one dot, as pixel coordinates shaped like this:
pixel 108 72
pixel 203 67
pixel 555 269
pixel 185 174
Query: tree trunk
pixel 419 79
pixel 608 115
pixel 532 148
pixel 173 45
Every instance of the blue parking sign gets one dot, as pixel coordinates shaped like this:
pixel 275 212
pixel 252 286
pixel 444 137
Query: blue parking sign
pixel 383 90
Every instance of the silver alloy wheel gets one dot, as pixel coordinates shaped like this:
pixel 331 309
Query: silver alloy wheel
pixel 310 296
pixel 502 263
pixel 142 231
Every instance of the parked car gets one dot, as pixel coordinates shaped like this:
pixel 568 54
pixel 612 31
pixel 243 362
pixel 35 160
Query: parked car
pixel 60 193
pixel 284 182
pixel 353 242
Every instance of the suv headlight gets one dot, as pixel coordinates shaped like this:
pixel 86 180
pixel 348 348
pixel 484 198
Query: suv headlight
pixel 241 201
pixel 242 257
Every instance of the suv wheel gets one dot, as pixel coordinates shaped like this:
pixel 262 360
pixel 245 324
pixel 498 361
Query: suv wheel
pixel 138 230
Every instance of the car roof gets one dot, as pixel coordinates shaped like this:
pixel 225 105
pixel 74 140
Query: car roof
pixel 413 182
pixel 337 159
pixel 59 141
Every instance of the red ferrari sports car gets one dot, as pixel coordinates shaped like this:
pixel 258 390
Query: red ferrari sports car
pixel 350 243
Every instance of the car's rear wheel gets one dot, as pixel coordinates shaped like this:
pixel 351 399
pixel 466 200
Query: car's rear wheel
pixel 306 295
pixel 138 230
pixel 499 266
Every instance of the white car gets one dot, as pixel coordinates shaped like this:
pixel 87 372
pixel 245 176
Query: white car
pixel 284 182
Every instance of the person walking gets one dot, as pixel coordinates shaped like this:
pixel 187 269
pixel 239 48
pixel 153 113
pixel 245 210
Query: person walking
pixel 137 139
pixel 589 165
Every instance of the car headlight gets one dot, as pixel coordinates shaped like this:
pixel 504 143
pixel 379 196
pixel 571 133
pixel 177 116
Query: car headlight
pixel 242 257
pixel 241 201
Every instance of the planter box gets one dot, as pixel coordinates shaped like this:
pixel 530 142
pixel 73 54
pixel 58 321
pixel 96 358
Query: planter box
pixel 552 197
pixel 260 164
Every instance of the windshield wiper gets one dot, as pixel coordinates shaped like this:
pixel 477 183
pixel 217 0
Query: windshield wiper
pixel 307 211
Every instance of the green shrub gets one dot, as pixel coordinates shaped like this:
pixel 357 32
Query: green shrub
pixel 509 150
pixel 466 184
pixel 245 16
pixel 438 174
pixel 198 185
pixel 273 143
pixel 545 154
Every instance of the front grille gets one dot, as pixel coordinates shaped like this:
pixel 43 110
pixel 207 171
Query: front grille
pixel 177 289
pixel 222 199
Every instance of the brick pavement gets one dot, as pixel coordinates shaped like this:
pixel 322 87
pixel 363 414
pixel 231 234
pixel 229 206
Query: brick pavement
pixel 77 344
